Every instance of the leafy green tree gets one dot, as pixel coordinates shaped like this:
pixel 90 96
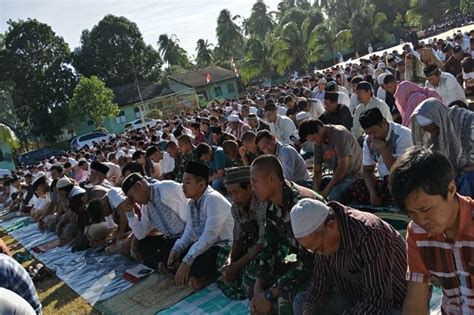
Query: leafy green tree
pixel 365 26
pixel 93 100
pixel 258 62
pixel 171 52
pixel 204 53
pixel 260 23
pixel 423 13
pixel 114 51
pixel 326 39
pixel 8 136
pixel 466 6
pixel 292 47
pixel 229 36
pixel 35 65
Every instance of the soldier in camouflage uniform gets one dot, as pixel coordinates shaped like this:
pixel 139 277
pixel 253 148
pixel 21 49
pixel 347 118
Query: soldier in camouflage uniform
pixel 284 268
pixel 249 234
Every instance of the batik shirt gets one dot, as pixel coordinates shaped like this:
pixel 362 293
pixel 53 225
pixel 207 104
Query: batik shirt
pixel 281 257
pixel 249 225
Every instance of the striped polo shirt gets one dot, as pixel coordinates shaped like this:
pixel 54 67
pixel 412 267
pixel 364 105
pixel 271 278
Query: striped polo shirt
pixel 451 263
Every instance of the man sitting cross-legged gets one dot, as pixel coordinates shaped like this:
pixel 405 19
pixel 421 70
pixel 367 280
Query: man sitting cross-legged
pixel 204 246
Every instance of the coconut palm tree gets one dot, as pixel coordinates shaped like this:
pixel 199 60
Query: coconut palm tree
pixel 8 136
pixel 229 35
pixel 171 52
pixel 260 22
pixel 204 53
pixel 326 39
pixel 366 27
pixel 257 61
pixel 292 49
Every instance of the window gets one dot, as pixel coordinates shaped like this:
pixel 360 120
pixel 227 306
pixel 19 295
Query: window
pixel 1 156
pixel 138 114
pixel 218 91
pixel 230 87
pixel 120 119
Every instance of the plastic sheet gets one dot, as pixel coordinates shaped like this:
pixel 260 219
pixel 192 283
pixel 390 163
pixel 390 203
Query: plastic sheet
pixel 94 275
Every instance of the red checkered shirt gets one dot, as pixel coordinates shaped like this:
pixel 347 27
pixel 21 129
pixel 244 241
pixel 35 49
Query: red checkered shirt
pixel 452 263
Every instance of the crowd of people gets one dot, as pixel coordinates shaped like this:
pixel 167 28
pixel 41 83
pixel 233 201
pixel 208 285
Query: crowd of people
pixel 259 193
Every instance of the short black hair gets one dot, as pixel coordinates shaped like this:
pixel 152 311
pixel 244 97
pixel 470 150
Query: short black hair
pixel 201 149
pixel 389 78
pixel 58 168
pixel 302 104
pixel 269 163
pixel 420 168
pixel 263 134
pixel 309 127
pixel 249 135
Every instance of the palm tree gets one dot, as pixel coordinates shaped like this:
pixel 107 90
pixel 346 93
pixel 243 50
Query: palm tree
pixel 260 23
pixel 229 35
pixel 366 27
pixel 8 136
pixel 204 53
pixel 257 60
pixel 292 50
pixel 171 52
pixel 326 39
pixel 424 12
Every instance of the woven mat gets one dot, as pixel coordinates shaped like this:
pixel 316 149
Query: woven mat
pixel 153 294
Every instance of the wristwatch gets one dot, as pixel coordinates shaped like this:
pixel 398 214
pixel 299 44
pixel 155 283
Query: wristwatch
pixel 269 296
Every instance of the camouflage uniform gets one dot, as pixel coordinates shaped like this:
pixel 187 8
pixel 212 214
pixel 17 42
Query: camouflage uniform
pixel 283 263
pixel 249 227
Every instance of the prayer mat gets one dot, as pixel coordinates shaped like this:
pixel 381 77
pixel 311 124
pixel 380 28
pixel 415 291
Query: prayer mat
pixel 398 220
pixel 17 225
pixel 8 216
pixel 209 300
pixel 153 294
pixel 46 246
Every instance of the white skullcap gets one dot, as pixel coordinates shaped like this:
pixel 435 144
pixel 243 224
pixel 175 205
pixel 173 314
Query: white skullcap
pixel 423 121
pixel 38 176
pixel 302 115
pixel 76 190
pixel 63 182
pixel 307 215
pixel 233 118
pixel 228 109
pixel 381 65
pixel 116 197
pixel 253 110
pixel 72 161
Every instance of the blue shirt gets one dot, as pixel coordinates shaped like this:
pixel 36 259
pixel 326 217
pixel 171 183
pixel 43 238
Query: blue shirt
pixel 15 278
pixel 219 160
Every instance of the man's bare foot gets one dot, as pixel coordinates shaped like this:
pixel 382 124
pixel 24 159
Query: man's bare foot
pixel 198 284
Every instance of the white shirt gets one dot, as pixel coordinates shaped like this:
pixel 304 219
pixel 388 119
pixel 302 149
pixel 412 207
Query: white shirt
pixel 448 88
pixel 357 130
pixel 281 110
pixel 354 103
pixel 214 226
pixel 114 170
pixel 171 194
pixel 282 129
pixel 166 164
pixel 398 139
pixel 316 107
pixel 343 99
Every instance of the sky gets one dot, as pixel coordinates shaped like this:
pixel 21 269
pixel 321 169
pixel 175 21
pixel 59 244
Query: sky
pixel 190 20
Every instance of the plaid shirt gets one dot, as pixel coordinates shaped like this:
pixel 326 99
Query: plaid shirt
pixel 452 263
pixel 15 278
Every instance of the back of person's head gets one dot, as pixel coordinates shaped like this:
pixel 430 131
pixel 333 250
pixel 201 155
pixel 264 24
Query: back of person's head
pixel 94 210
pixel 389 78
pixel 201 149
pixel 302 104
pixel 185 139
pixel 309 127
pixel 420 168
pixel 263 134
pixel 248 136
pixel 269 163
pixel 230 147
